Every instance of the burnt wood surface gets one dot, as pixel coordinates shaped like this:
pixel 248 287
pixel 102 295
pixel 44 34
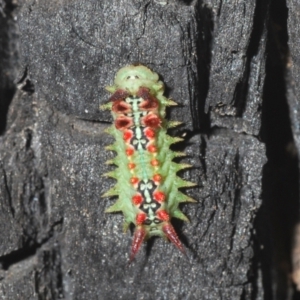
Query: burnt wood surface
pixel 228 66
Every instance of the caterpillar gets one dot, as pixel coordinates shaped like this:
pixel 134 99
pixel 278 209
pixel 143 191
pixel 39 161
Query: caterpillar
pixel 147 182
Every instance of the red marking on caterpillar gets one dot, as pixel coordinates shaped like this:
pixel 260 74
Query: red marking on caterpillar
pixel 154 162
pixel 123 122
pixel 152 149
pixel 129 151
pixel 149 133
pixel 157 178
pixel 121 107
pixel 140 218
pixel 137 199
pixel 147 183
pixel 131 166
pixel 139 236
pixel 163 215
pixel 118 95
pixel 152 121
pixel 172 236
pixel 159 196
pixel 150 103
pixel 127 135
pixel 134 180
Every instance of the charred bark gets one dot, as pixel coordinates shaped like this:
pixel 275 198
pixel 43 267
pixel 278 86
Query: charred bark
pixel 226 64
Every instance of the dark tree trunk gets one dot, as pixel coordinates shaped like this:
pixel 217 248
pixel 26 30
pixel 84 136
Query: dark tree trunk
pixel 227 64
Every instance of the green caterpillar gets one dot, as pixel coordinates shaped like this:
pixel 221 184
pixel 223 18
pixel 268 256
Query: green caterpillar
pixel 147 184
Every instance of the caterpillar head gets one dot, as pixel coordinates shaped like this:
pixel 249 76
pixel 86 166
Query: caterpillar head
pixel 131 78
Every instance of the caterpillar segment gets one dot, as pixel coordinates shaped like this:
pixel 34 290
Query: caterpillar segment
pixel 147 182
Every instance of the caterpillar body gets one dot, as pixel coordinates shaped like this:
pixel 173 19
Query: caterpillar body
pixel 147 182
